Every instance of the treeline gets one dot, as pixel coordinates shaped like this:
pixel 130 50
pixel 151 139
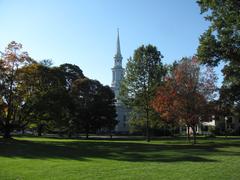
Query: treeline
pixel 36 96
pixel 61 99
pixel 177 95
pixel 184 93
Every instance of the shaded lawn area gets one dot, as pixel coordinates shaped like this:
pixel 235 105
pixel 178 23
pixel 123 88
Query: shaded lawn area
pixel 50 158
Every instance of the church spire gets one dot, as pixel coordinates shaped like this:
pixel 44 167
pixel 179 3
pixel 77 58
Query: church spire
pixel 118 43
pixel 118 56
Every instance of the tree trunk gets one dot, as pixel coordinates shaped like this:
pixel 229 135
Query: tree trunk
pixel 164 130
pixel 172 130
pixel 87 133
pixel 147 128
pixel 188 134
pixel 39 130
pixel 194 134
pixel 69 134
pixel 39 133
pixel 7 132
pixel 110 133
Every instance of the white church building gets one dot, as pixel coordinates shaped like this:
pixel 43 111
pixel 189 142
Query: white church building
pixel 117 75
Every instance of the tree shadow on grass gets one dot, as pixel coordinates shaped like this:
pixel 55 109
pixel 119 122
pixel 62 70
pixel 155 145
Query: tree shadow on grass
pixel 112 150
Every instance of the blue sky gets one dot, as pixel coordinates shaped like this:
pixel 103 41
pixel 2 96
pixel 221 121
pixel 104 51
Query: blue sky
pixel 84 32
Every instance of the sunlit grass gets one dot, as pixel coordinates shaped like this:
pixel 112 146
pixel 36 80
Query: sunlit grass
pixel 52 158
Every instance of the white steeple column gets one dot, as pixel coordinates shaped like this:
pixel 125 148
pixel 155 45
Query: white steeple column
pixel 117 68
pixel 117 75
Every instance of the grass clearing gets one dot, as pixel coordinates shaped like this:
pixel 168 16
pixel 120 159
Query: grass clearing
pixel 51 158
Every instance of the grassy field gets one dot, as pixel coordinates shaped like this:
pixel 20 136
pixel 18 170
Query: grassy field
pixel 49 158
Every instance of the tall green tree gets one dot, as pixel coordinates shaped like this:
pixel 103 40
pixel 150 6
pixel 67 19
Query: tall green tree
pixel 221 43
pixel 144 73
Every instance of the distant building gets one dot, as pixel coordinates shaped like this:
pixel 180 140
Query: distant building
pixel 229 124
pixel 117 75
pixel 219 125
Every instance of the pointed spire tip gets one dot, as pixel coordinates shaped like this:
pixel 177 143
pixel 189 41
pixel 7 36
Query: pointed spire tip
pixel 118 43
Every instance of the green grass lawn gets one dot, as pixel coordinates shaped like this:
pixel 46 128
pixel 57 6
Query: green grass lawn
pixel 49 158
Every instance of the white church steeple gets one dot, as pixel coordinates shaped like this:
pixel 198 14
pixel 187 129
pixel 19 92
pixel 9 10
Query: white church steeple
pixel 117 70
pixel 118 56
pixel 117 75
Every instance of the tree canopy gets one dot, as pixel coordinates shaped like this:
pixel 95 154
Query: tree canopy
pixel 221 43
pixel 184 97
pixel 143 74
pixel 51 99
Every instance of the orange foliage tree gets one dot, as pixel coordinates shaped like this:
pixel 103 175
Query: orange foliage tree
pixel 184 97
pixel 10 99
